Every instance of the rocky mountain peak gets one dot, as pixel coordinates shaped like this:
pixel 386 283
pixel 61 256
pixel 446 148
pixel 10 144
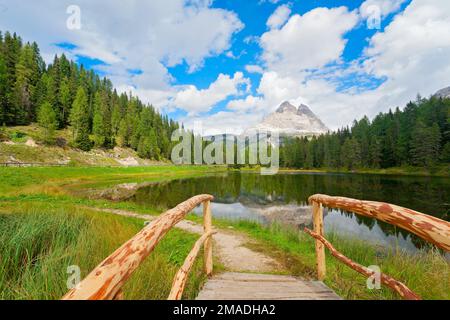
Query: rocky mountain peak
pixel 286 107
pixel 305 110
pixel 289 120
pixel 443 93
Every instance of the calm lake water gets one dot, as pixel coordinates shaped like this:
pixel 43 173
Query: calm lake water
pixel 283 198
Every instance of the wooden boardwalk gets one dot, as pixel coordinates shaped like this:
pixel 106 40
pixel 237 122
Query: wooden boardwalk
pixel 250 286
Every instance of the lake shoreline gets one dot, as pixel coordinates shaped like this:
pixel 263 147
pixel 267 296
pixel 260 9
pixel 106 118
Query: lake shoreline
pixel 48 192
pixel 443 171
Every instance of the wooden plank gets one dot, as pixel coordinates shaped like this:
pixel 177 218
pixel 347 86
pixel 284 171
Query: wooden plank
pixel 105 281
pixel 320 249
pixel 254 277
pixel 181 277
pixel 395 285
pixel 427 227
pixel 207 226
pixel 245 286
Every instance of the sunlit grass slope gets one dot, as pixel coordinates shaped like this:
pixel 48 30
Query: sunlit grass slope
pixel 39 242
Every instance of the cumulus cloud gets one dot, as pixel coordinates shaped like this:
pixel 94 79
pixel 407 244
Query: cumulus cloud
pixel 196 101
pixel 146 35
pixel 279 17
pixel 252 68
pixel 222 122
pixel 384 7
pixel 308 41
pixel 412 55
pixel 301 55
pixel 250 103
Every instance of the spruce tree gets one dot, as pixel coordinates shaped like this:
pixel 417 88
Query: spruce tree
pixel 24 86
pixel 425 145
pixel 3 90
pixel 79 121
pixel 98 128
pixel 65 100
pixel 11 51
pixel 47 120
pixel 122 135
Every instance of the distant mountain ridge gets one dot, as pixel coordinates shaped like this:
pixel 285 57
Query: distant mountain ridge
pixel 443 93
pixel 289 120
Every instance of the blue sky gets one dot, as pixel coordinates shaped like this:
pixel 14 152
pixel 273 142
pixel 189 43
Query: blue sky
pixel 228 63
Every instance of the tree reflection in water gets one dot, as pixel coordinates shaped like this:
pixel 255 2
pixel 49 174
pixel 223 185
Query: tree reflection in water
pixel 261 194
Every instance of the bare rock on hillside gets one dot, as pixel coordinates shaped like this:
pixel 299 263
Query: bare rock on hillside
pixel 128 162
pixel 31 143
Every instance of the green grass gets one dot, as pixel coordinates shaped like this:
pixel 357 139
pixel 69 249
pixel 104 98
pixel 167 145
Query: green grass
pixel 57 181
pixel 39 242
pixel 427 272
pixel 44 228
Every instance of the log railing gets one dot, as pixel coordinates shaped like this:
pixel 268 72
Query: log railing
pixel 431 229
pixel 105 282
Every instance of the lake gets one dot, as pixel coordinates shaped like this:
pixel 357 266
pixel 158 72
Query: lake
pixel 283 199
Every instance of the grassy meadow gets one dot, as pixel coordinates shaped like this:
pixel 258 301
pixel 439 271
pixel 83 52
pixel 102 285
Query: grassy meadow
pixel 46 226
pixel 44 229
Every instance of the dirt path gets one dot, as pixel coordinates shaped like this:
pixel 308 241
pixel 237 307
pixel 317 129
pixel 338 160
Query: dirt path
pixel 229 246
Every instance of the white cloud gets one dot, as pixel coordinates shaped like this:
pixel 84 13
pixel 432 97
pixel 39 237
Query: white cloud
pixel 279 17
pixel 145 35
pixel 222 122
pixel 412 54
pixel 308 41
pixel 196 101
pixel 250 103
pixel 252 68
pixel 384 7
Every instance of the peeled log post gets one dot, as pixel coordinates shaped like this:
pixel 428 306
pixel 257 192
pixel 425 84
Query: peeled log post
pixel 320 249
pixel 106 280
pixel 181 277
pixel 119 296
pixel 395 285
pixel 207 226
pixel 427 227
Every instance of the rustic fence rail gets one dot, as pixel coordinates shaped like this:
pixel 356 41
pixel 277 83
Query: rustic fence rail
pixel 105 282
pixel 429 228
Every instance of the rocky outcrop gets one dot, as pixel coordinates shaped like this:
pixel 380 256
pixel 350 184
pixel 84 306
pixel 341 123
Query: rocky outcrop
pixel 443 93
pixel 289 120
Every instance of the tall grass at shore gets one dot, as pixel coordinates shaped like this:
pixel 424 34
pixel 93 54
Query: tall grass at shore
pixel 39 242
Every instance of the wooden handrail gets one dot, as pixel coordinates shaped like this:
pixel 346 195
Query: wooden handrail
pixel 180 279
pixel 429 228
pixel 107 279
pixel 395 285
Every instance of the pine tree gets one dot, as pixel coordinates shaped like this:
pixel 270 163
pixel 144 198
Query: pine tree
pixel 122 135
pixel 65 100
pixel 425 145
pixel 351 153
pixel 3 89
pixel 375 153
pixel 11 51
pixel 47 120
pixel 98 129
pixel 79 120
